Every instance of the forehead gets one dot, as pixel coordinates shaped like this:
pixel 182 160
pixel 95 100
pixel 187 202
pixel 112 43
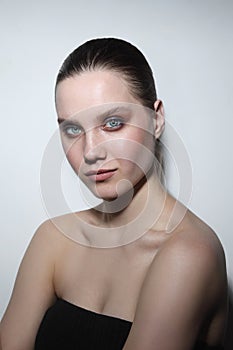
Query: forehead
pixel 89 89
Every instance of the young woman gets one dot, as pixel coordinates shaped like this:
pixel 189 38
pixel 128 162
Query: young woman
pixel 130 273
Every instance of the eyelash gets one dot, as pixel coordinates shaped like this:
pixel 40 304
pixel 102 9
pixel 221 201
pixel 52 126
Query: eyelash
pixel 114 119
pixel 67 129
pixel 72 127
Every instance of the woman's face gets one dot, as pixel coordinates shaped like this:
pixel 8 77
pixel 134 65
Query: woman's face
pixel 106 133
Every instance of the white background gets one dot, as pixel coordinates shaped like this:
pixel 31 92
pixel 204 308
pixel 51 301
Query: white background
pixel 189 45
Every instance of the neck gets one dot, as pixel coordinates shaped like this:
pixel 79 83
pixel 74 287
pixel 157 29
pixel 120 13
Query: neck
pixel 146 199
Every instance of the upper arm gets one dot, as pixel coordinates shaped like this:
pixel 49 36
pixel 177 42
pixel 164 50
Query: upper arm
pixel 33 292
pixel 180 291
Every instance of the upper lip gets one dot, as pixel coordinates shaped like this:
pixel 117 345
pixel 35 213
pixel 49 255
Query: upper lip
pixel 99 171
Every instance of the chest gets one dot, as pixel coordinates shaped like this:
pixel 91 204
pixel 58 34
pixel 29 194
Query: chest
pixel 106 281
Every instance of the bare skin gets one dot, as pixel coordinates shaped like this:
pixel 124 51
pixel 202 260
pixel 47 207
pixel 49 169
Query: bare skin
pixel 135 278
pixel 171 284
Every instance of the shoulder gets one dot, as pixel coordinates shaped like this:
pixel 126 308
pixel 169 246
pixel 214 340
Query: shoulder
pixel 59 227
pixel 185 288
pixel 60 230
pixel 193 254
pixel 194 238
pixel 46 234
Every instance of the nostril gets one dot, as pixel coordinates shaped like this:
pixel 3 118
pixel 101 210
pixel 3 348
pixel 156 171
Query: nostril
pixel 93 154
pixel 89 160
pixel 91 157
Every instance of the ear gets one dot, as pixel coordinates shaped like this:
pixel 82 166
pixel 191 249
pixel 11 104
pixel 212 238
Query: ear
pixel 159 118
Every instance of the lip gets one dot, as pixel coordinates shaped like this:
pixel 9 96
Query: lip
pixel 100 174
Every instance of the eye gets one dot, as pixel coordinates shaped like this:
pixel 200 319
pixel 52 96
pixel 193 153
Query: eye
pixel 113 124
pixel 72 130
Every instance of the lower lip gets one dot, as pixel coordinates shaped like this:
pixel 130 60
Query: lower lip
pixel 102 176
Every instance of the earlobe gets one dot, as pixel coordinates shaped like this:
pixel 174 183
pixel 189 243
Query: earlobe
pixel 159 118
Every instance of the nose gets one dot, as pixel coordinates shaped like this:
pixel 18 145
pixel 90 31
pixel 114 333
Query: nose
pixel 94 148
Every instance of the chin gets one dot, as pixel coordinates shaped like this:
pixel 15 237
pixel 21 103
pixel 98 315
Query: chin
pixel 121 190
pixel 116 201
pixel 108 197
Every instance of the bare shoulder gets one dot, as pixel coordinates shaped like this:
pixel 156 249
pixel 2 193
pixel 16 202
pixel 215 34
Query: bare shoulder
pixel 195 238
pixel 34 289
pixel 184 291
pixel 194 254
pixel 58 229
pixel 195 243
pixel 46 231
pixel 47 239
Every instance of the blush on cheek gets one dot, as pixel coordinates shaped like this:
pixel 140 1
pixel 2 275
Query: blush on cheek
pixel 134 149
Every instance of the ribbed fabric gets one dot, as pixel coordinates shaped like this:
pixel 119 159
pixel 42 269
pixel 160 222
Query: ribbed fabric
pixel 69 327
pixel 66 326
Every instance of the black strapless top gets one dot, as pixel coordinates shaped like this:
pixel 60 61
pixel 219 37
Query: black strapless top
pixel 66 326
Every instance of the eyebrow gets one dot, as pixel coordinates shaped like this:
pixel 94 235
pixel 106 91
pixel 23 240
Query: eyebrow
pixel 100 116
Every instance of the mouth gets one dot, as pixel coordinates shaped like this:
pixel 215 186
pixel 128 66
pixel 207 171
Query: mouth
pixel 100 174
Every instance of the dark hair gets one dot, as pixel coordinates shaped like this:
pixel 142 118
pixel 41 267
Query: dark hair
pixel 120 56
pixel 117 55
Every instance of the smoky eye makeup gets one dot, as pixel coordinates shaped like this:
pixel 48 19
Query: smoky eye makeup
pixel 113 123
pixel 111 120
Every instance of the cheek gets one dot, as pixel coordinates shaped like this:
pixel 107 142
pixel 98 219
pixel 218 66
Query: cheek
pixel 74 156
pixel 137 148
